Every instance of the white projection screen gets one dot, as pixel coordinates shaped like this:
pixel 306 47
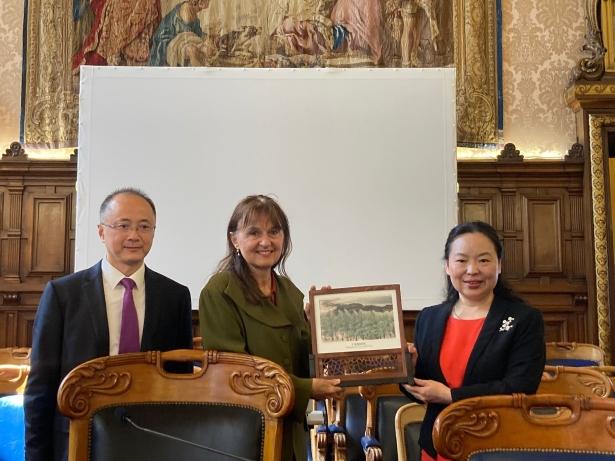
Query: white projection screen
pixel 361 160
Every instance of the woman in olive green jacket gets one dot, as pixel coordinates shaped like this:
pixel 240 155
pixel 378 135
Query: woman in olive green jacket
pixel 247 307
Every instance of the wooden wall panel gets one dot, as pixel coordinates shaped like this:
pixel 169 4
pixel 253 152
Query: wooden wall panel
pixel 37 234
pixel 543 245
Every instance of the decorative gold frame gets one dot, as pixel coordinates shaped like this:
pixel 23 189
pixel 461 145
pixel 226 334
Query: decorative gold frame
pixel 608 35
pixel 50 101
pixel 475 60
pixel 599 216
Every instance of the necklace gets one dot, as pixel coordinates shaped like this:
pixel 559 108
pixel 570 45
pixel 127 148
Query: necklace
pixel 457 314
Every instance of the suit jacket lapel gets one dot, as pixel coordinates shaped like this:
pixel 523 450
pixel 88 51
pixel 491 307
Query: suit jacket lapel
pixel 94 293
pixel 490 327
pixel 152 310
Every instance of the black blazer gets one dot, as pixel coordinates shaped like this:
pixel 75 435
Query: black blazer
pixel 508 357
pixel 71 328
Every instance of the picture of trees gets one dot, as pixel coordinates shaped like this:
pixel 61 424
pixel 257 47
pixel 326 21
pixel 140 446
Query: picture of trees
pixel 357 322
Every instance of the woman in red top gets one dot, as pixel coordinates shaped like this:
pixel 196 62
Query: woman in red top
pixel 482 340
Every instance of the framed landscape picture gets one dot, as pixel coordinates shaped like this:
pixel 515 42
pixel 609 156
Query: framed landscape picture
pixel 358 335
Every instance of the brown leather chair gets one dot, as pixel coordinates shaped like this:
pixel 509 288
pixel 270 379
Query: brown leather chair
pixel 574 354
pixel 408 422
pixel 516 427
pixel 574 380
pixel 232 403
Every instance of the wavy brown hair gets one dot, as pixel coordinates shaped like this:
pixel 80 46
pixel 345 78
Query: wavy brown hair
pixel 246 212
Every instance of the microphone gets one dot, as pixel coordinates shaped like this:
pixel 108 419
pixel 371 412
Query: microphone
pixel 122 414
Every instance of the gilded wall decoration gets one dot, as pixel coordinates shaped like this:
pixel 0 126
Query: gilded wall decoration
pixel 475 58
pixel 599 216
pixel 542 41
pixel 250 33
pixel 11 19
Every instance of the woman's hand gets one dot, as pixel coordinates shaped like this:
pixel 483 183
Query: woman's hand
pixel 325 388
pixel 430 391
pixel 414 354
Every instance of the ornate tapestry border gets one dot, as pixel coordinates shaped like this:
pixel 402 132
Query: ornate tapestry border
pixel 599 216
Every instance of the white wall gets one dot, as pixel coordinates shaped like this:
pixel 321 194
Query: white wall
pixel 362 161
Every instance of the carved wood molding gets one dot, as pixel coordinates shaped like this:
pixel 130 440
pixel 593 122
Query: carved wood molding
pixel 91 379
pixel 463 420
pixel 15 151
pixel 510 153
pixel 599 217
pixel 268 380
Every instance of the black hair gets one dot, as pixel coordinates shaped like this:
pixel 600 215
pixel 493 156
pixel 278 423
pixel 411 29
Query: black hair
pixel 501 289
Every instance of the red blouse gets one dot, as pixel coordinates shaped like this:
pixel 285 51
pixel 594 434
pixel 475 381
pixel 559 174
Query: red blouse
pixel 457 344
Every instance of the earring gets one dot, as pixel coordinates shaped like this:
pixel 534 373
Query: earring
pixel 238 253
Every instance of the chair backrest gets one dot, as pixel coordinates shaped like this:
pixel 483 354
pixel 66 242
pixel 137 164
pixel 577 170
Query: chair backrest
pixel 15 356
pixel 233 403
pixel 408 422
pixel 575 380
pixel 609 372
pixel 13 379
pixel 347 415
pixel 383 401
pixel 516 427
pixel 574 354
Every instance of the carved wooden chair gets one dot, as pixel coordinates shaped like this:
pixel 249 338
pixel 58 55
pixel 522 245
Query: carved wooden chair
pixel 13 379
pixel 514 427
pixel 383 401
pixel 15 356
pixel 345 427
pixel 574 380
pixel 574 354
pixel 14 371
pixel 609 372
pixel 234 403
pixel 408 422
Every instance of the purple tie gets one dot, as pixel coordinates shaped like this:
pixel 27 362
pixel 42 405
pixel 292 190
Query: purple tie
pixel 129 332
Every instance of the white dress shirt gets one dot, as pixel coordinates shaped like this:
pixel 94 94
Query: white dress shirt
pixel 114 297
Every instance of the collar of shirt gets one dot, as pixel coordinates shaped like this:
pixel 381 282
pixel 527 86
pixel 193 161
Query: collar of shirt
pixel 112 277
pixel 114 293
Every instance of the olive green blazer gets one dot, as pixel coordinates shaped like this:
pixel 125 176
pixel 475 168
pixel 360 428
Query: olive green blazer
pixel 280 333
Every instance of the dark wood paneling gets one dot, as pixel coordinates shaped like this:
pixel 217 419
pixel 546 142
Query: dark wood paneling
pixel 37 232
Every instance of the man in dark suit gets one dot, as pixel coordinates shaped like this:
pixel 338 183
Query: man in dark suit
pixel 116 306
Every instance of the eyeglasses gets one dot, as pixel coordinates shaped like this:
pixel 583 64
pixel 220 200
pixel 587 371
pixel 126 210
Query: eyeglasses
pixel 141 228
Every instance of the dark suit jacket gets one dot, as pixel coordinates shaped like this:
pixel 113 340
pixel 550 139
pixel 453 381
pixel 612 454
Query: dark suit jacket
pixel 503 361
pixel 71 328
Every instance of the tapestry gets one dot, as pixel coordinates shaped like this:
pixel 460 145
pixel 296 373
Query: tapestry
pixel 63 35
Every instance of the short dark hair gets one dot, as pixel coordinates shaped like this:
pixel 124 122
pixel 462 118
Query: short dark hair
pixel 125 190
pixel 243 214
pixel 501 287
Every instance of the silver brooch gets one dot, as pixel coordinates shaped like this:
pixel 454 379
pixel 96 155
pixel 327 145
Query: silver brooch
pixel 507 324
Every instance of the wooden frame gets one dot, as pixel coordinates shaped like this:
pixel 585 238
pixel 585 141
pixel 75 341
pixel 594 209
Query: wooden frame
pixel 223 378
pixel 359 353
pixel 508 423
